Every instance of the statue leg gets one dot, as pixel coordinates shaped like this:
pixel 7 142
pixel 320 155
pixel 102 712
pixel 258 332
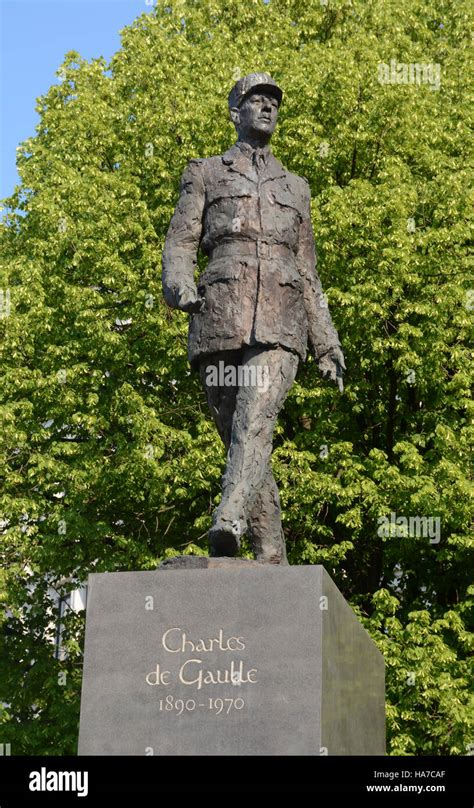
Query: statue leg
pixel 265 530
pixel 220 399
pixel 263 520
pixel 257 404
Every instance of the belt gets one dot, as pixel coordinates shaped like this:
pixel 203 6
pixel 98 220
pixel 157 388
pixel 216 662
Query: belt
pixel 259 249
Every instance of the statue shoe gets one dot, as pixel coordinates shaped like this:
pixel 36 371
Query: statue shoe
pixel 224 538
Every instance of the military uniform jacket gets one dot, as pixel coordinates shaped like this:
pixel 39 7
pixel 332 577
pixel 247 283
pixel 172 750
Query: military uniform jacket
pixel 260 285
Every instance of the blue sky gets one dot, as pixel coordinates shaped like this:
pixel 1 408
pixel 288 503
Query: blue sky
pixel 34 36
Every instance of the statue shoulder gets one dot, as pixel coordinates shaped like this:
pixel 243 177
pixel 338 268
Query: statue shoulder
pixel 300 187
pixel 192 178
pixel 195 165
pixel 303 185
pixel 204 167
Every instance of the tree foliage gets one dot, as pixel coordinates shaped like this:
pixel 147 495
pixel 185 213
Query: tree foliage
pixel 109 458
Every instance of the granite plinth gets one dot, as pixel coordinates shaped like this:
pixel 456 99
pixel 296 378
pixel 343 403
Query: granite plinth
pixel 232 659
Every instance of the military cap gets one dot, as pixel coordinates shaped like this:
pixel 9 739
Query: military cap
pixel 262 81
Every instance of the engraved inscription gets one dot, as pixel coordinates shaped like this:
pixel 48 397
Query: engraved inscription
pixel 194 672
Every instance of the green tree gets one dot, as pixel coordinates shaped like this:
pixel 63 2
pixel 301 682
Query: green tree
pixel 109 458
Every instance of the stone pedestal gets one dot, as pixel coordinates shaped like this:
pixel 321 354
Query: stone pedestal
pixel 238 658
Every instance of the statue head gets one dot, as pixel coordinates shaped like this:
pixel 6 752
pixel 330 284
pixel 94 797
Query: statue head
pixel 253 105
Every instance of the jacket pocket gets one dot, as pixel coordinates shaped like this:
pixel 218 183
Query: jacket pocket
pixel 226 189
pixel 222 269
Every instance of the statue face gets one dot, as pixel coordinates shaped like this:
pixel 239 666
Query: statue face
pixel 256 116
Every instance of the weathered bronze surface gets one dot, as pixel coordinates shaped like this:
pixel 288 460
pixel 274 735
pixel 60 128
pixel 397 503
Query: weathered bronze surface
pixel 254 310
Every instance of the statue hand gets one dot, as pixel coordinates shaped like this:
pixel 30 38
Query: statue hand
pixel 332 366
pixel 189 301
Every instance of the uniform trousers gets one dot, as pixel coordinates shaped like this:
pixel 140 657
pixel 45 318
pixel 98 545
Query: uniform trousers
pixel 245 415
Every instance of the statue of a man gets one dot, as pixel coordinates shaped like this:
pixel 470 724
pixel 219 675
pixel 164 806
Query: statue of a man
pixel 254 309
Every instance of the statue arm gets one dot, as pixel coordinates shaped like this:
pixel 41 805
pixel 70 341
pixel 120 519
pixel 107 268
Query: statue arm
pixel 182 241
pixel 323 338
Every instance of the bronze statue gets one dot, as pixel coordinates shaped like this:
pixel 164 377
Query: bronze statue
pixel 254 309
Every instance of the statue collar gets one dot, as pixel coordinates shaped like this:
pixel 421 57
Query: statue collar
pixel 239 158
